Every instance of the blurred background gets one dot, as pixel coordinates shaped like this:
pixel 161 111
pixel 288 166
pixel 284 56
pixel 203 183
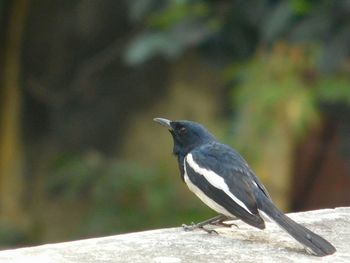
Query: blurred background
pixel 81 81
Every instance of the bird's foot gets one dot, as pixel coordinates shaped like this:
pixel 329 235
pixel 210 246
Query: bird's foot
pixel 201 225
pixel 194 226
pixel 224 224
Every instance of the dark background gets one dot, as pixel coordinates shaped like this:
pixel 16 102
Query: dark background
pixel 81 81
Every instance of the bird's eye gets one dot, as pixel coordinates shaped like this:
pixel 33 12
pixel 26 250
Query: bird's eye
pixel 182 130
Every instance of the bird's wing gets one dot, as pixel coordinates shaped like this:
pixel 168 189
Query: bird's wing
pixel 223 177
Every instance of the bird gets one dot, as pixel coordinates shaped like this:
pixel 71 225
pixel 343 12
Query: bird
pixel 221 178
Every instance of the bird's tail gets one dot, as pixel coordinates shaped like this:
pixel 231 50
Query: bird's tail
pixel 312 242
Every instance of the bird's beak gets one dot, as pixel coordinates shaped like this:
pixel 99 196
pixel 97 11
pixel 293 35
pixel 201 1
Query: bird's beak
pixel 164 122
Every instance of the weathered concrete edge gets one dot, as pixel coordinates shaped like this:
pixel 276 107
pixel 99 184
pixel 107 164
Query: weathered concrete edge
pixel 310 218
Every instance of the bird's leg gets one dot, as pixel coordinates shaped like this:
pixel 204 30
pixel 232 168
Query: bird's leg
pixel 220 222
pixel 201 225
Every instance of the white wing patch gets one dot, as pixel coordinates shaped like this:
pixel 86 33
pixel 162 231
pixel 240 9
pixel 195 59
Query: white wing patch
pixel 214 179
pixel 205 199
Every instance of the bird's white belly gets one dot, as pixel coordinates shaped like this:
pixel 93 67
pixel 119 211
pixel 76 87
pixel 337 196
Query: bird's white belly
pixel 205 199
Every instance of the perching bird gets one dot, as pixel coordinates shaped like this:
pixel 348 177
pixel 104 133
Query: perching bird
pixel 223 180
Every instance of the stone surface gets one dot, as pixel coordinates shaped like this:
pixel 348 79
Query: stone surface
pixel 173 245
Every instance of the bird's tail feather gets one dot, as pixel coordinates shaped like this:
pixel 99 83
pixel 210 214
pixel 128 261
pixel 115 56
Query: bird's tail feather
pixel 311 241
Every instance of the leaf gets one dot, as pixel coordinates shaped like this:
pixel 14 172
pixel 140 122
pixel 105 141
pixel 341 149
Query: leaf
pixel 277 22
pixel 148 45
pixel 334 89
pixel 139 8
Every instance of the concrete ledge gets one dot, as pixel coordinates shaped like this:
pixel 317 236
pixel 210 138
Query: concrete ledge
pixel 173 245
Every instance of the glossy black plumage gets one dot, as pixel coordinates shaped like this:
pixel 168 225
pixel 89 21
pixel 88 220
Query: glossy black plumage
pixel 222 160
pixel 223 180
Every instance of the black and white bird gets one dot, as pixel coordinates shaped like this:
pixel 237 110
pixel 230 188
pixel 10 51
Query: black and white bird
pixel 223 180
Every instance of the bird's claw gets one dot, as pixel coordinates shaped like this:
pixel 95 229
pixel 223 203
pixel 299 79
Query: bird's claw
pixel 188 227
pixel 194 226
pixel 210 231
pixel 221 223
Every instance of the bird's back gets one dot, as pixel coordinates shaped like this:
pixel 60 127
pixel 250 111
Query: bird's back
pixel 224 158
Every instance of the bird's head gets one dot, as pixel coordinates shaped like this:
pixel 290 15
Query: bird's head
pixel 186 134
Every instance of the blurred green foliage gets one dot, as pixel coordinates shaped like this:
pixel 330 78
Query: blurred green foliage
pixel 229 30
pixel 282 59
pixel 171 27
pixel 273 93
pixel 110 186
